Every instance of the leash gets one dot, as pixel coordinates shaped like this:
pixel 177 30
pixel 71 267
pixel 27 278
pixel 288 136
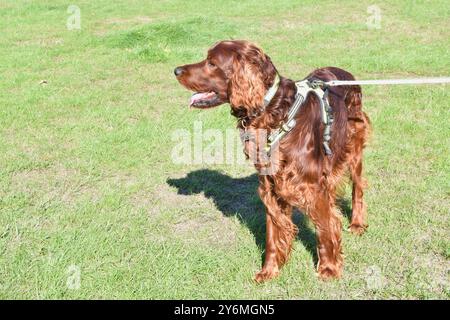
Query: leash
pixel 320 89
pixel 335 83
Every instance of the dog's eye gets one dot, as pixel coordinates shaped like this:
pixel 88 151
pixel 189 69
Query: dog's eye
pixel 211 65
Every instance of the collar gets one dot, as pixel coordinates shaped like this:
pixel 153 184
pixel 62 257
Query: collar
pixel 267 99
pixel 272 90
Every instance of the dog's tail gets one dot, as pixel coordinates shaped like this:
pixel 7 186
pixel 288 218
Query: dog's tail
pixel 353 101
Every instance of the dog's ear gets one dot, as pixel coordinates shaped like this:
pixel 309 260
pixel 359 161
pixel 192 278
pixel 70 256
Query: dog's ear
pixel 247 84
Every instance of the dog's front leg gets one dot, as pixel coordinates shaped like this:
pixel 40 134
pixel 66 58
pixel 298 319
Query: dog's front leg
pixel 280 232
pixel 328 231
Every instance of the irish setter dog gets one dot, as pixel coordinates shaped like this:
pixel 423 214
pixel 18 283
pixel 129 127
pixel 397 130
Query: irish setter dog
pixel 239 73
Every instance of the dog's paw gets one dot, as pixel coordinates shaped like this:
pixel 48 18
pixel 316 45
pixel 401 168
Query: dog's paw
pixel 329 272
pixel 266 274
pixel 357 229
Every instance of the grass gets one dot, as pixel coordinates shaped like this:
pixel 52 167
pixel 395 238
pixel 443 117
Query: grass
pixel 86 177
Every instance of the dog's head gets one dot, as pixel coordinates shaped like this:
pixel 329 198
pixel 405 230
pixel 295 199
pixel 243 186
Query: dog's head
pixel 236 71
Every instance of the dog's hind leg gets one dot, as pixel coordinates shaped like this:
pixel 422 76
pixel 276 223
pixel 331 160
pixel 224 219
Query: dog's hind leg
pixel 358 223
pixel 359 125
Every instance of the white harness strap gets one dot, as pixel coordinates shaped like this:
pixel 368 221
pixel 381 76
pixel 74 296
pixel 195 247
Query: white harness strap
pixel 303 89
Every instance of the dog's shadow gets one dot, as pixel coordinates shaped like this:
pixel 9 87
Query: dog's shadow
pixel 238 197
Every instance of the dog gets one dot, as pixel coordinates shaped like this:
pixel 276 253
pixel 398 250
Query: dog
pixel 240 73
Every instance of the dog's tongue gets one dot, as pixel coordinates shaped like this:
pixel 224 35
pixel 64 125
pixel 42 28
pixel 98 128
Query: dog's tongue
pixel 200 96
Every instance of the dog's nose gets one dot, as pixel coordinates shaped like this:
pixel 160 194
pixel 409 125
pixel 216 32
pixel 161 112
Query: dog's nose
pixel 178 71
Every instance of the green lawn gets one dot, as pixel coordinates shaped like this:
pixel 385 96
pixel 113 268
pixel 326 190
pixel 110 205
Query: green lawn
pixel 88 186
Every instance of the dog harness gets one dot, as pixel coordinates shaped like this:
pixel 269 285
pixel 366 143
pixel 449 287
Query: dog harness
pixel 320 89
pixel 304 87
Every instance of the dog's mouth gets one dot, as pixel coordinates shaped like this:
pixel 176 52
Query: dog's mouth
pixel 204 100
